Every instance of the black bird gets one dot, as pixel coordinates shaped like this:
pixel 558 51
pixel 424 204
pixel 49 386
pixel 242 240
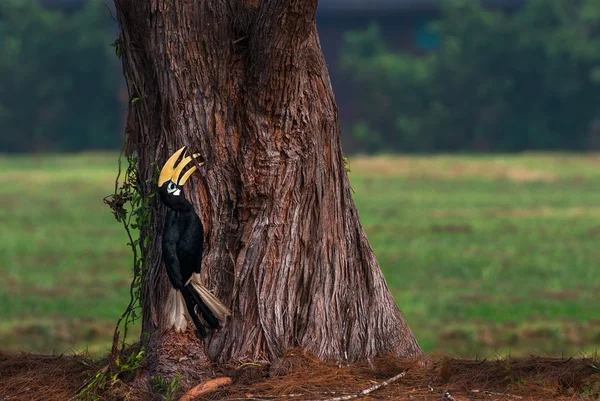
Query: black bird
pixel 182 246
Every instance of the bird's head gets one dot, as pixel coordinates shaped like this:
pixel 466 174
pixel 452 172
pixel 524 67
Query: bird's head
pixel 170 184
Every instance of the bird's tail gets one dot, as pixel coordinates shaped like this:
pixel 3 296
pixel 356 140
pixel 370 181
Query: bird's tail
pixel 220 311
pixel 177 314
pixel 196 303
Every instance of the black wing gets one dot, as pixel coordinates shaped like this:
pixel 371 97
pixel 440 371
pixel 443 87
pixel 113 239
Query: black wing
pixel 190 245
pixel 171 235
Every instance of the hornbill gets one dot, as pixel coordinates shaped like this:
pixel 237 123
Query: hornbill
pixel 182 242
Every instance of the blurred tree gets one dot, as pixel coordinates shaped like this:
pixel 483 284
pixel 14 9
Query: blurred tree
pixel 59 85
pixel 503 82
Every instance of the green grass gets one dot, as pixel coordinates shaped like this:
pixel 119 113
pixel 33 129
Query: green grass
pixel 484 254
pixel 64 260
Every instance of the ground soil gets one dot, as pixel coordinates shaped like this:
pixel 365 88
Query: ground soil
pixel 300 377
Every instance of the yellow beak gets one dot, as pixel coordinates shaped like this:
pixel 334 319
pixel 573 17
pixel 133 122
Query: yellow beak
pixel 172 172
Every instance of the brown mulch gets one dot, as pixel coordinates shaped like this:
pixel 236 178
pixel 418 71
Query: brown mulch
pixel 35 377
pixel 299 377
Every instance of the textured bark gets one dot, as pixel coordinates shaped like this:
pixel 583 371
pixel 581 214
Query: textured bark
pixel 244 84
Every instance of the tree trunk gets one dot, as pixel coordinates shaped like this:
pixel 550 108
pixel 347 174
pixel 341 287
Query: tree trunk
pixel 244 83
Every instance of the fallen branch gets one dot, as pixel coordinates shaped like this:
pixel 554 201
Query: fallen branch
pixel 448 396
pixel 366 391
pixel 253 397
pixel 204 388
pixel 495 393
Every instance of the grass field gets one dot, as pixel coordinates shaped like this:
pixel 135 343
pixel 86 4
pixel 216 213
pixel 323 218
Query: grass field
pixel 484 254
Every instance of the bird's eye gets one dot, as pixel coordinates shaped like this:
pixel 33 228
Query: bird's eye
pixel 171 187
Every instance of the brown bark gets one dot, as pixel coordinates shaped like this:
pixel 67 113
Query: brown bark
pixel 244 83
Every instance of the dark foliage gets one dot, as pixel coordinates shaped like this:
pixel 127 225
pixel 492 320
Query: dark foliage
pixel 60 79
pixel 501 81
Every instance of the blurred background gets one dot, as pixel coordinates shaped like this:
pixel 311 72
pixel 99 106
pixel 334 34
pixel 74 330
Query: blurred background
pixel 470 127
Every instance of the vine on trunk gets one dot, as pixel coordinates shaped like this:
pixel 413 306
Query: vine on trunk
pixel 132 209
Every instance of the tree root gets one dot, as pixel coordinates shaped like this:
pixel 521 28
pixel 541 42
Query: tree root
pixel 204 388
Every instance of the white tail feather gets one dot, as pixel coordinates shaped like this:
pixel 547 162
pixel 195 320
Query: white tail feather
pixel 176 310
pixel 218 309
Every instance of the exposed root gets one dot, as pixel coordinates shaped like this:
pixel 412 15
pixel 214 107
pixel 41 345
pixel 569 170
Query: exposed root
pixel 205 388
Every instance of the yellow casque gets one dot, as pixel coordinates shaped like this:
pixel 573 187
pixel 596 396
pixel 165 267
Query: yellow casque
pixel 172 172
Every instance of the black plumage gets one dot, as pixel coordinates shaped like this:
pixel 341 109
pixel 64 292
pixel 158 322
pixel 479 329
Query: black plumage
pixel 182 247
